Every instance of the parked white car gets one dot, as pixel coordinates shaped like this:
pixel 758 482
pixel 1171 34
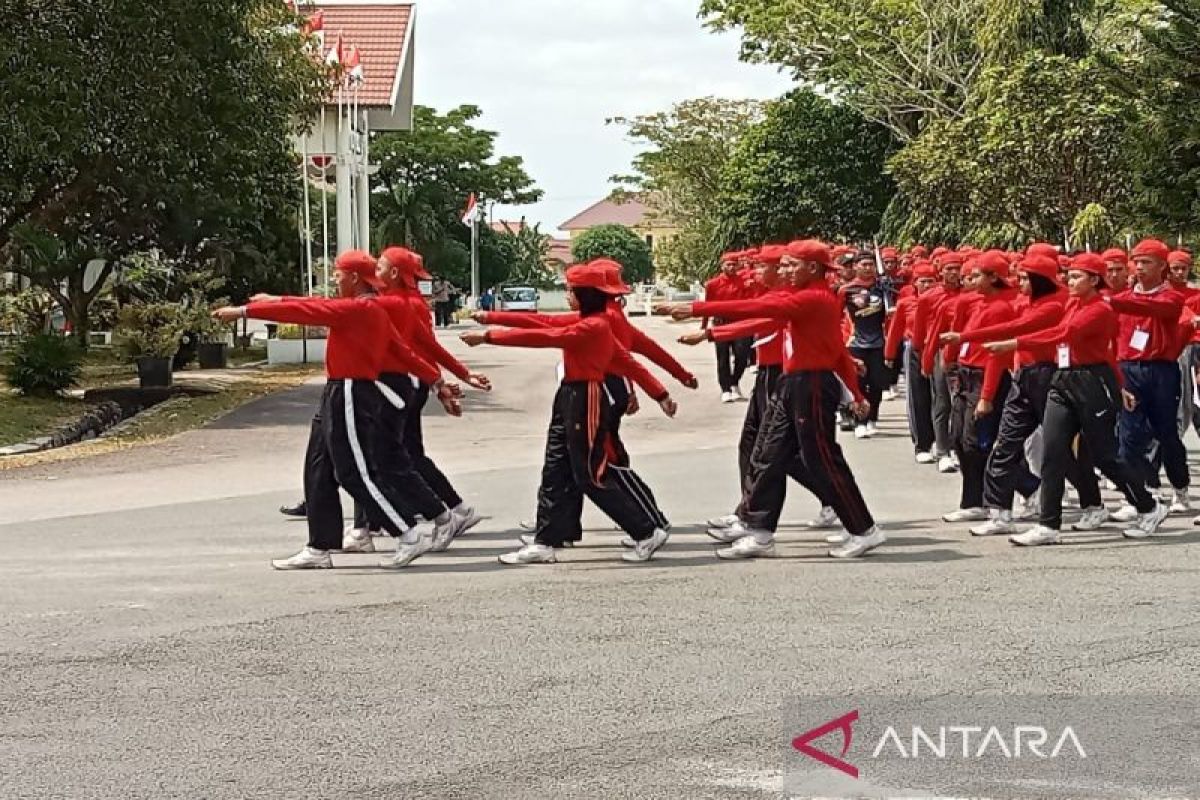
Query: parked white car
pixel 518 298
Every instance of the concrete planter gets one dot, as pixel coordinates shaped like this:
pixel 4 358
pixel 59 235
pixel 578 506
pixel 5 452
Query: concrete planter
pixel 291 351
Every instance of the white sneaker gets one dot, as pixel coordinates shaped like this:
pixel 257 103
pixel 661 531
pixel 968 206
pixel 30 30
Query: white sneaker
pixel 726 397
pixel 889 394
pixel 628 542
pixel 308 558
pixel 860 545
pixel 1035 536
pixel 747 547
pixel 925 458
pixel 645 549
pixel 723 522
pixel 860 432
pixel 828 518
pixel 357 540
pixel 406 553
pixel 1147 524
pixel 1108 485
pixel 1000 524
pixel 734 532
pixel 872 429
pixel 530 554
pixel 841 537
pixel 737 393
pixel 447 532
pixel 1181 504
pixel 1125 513
pixel 1031 507
pixel 468 518
pixel 946 465
pixel 966 515
pixel 529 538
pixel 1092 519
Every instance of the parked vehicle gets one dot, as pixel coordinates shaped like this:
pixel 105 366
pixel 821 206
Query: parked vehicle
pixel 518 298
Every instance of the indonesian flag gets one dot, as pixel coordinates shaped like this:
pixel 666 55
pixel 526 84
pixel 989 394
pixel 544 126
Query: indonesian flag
pixel 354 67
pixel 472 212
pixel 334 56
pixel 315 26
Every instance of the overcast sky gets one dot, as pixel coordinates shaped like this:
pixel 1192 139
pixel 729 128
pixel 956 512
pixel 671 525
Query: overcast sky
pixel 547 73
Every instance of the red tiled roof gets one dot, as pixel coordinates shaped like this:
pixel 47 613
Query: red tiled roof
pixel 560 250
pixel 508 226
pixel 379 31
pixel 630 213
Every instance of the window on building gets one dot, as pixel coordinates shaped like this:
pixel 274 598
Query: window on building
pixel 650 240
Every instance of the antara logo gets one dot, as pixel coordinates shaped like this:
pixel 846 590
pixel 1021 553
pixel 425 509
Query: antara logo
pixel 845 725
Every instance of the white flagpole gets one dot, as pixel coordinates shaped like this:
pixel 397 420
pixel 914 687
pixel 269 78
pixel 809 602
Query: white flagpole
pixel 307 236
pixel 325 197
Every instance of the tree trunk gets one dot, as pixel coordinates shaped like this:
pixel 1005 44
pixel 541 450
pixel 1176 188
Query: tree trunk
pixel 76 309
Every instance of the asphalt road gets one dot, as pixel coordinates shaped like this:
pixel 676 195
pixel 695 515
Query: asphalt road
pixel 147 650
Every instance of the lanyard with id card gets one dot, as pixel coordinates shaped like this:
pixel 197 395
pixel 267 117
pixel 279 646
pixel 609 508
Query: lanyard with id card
pixel 1139 339
pixel 1064 356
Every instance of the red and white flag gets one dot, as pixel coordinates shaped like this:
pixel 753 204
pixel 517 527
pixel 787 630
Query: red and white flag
pixel 314 26
pixel 472 212
pixel 354 67
pixel 334 56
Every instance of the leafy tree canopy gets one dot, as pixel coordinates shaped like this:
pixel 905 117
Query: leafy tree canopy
pixel 619 243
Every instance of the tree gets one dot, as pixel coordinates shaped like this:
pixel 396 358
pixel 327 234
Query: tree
pixel 136 125
pixel 425 176
pixel 1042 141
pixel 810 168
pixel 619 243
pixel 679 175
pixel 525 249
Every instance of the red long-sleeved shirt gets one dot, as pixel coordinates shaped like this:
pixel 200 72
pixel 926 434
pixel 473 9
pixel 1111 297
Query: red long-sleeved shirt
pixel 940 321
pixel 985 312
pixel 628 335
pixel 362 340
pixel 1188 332
pixel 1087 331
pixel 767 333
pixel 813 340
pixel 901 326
pixel 1042 314
pixel 423 339
pixel 1149 319
pixel 590 351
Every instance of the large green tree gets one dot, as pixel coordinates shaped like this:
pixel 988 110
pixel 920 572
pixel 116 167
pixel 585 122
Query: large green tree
pixel 425 176
pixel 133 125
pixel 619 243
pixel 810 168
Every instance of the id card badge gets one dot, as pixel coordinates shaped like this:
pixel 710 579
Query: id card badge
pixel 1064 356
pixel 1140 339
pixel 788 349
pixel 962 351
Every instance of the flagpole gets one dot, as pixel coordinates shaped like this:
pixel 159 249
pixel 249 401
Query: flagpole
pixel 307 259
pixel 325 198
pixel 475 253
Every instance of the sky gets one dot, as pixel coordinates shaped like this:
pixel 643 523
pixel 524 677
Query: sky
pixel 548 73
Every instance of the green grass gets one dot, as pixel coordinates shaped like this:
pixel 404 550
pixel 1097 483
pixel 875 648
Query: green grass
pixel 23 418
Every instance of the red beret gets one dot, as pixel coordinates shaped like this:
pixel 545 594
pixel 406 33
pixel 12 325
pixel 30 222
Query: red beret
pixel 1151 248
pixel 1090 263
pixel 888 253
pixel 918 251
pixel 938 252
pixel 923 269
pixel 811 250
pixel 1041 265
pixel 1042 249
pixel 1114 254
pixel 1180 257
pixel 772 254
pixel 952 259
pixel 405 260
pixel 361 263
pixel 993 261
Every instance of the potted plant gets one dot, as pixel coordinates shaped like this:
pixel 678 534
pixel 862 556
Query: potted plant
pixel 150 334
pixel 212 336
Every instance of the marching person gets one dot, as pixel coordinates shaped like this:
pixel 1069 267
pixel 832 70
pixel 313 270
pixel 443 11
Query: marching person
pixel 982 377
pixel 578 446
pixel 356 419
pixel 1148 349
pixel 768 344
pixel 802 418
pixel 732 357
pixel 1025 405
pixel 927 328
pixel 899 350
pixel 1116 275
pixel 1083 400
pixel 866 303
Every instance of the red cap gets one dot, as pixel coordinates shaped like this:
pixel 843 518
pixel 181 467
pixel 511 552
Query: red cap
pixel 923 269
pixel 918 251
pixel 840 250
pixel 938 252
pixel 1151 248
pixel 1090 263
pixel 1042 249
pixel 361 263
pixel 772 254
pixel 1115 254
pixel 889 254
pixel 811 250
pixel 952 259
pixel 587 276
pixel 1180 257
pixel 405 260
pixel 995 262
pixel 1040 265
pixel 613 282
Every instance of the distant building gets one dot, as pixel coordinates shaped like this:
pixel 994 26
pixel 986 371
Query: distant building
pixel 632 212
pixel 558 253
